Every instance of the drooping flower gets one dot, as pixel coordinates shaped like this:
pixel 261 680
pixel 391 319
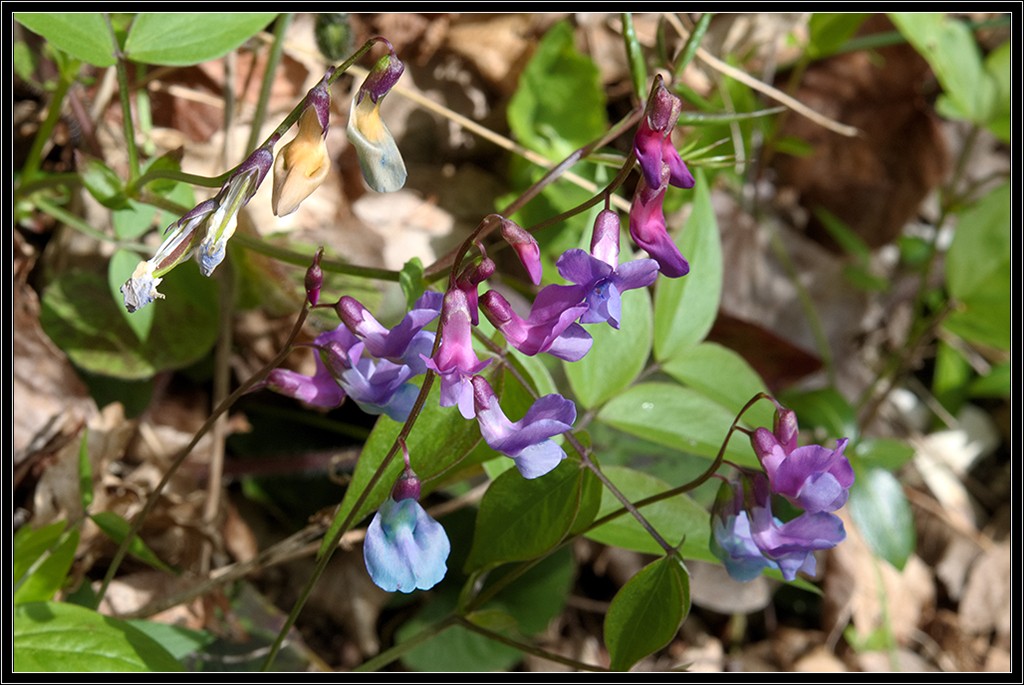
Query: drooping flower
pixel 653 141
pixel 303 163
pixel 379 158
pixel 528 440
pixel 648 230
pixel 661 166
pixel 600 274
pixel 469 280
pixel 748 538
pixel 455 361
pixel 551 325
pixel 235 194
pixel 405 548
pixel 526 247
pixel 180 242
pixel 322 389
pixel 812 477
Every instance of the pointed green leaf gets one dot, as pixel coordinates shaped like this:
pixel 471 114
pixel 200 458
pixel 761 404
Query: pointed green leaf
pixel 521 519
pixel 190 37
pixel 883 516
pixel 685 308
pixel 42 559
pixel 647 612
pixel 59 637
pixel 116 528
pixel 617 356
pixel 724 376
pixel 85 35
pixel 674 416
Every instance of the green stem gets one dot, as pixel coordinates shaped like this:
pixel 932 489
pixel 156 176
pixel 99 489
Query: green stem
pixel 35 153
pixel 692 43
pixel 386 657
pixel 276 50
pixel 80 225
pixel 635 54
pixel 134 169
pixel 526 648
pixel 287 256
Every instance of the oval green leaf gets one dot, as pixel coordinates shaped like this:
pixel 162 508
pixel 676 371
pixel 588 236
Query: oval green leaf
pixel 647 612
pixel 617 357
pixel 883 516
pixel 521 519
pixel 685 308
pixel 678 417
pixel 59 637
pixel 724 376
pixel 187 38
pixel 80 316
pixel 85 35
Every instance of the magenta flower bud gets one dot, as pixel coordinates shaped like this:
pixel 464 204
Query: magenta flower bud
pixel 525 246
pixel 382 77
pixel 314 278
pixel 653 142
pixel 468 281
pixel 648 230
pixel 786 428
pixel 455 360
pixel 604 244
pixel 408 485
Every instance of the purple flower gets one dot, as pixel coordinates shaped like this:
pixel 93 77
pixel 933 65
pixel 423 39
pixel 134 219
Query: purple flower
pixel 551 325
pixel 747 537
pixel 600 275
pixel 405 549
pixel 648 230
pixel 525 246
pixel 528 440
pixel 653 141
pixel 812 477
pixel 455 361
pixel 406 342
pixel 322 389
pixel 378 387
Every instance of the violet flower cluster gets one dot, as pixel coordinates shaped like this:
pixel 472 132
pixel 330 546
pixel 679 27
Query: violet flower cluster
pixel 748 537
pixel 373 365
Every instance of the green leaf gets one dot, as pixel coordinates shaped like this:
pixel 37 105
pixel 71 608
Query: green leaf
pixel 116 528
pixel 84 35
pixel 829 30
pixel 521 519
pixel 724 376
pixel 81 318
pixel 647 612
pixel 678 417
pixel 954 56
pixel 998 382
pixel 122 265
pixel 179 642
pixel 677 518
pixel 882 514
pixel 978 271
pixel 59 637
pixel 411 280
pixel 440 439
pixel 42 559
pixel 187 38
pixel 886 453
pixel 617 356
pixel 102 183
pixel 822 408
pixel 997 64
pixel 685 308
pixel 559 105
